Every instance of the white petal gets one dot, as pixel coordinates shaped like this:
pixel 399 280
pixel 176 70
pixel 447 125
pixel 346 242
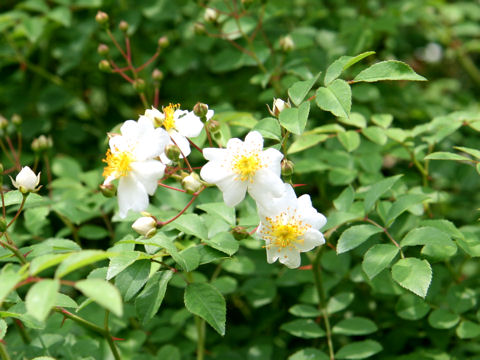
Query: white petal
pixel 209 114
pixel 233 191
pixel 290 257
pixel 254 141
pixel 215 154
pixel 165 159
pixel 311 239
pixel 181 141
pixel 309 214
pixel 265 186
pixel 118 143
pixel 214 172
pixel 131 196
pixel 234 145
pixel 272 254
pixel 189 125
pixel 272 158
pixel 148 173
pixel 130 129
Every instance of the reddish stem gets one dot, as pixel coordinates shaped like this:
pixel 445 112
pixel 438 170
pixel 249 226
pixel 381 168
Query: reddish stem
pixel 195 195
pixel 117 45
pixel 184 157
pixel 148 62
pixel 170 187
pixel 127 46
pixel 156 96
pixel 122 74
pixel 195 145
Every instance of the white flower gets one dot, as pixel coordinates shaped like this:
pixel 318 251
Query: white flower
pixel 290 226
pixel 244 166
pixel 180 125
pixel 146 226
pixel 131 160
pixel 26 180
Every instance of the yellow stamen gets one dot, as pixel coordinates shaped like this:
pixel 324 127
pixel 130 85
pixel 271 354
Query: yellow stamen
pixel 246 165
pixel 169 121
pixel 118 164
pixel 285 230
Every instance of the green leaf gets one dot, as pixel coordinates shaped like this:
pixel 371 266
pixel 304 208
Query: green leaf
pixel 46 261
pixel 34 27
pixel 413 274
pixel 269 128
pixel 150 299
pixel 442 155
pixel 345 200
pixel 300 89
pixel 191 224
pixel 377 258
pixel 92 232
pixel 461 299
pixel 225 284
pixel 224 242
pixel 355 326
pixel 303 328
pixel 355 119
pixel 425 235
pixel 306 141
pixel 79 260
pixel 308 354
pixel 260 291
pixel 219 209
pixel 375 134
pixel 65 301
pixel 305 311
pixel 295 119
pixel 206 301
pixel 169 352
pixel 388 70
pixel 41 297
pixel 359 350
pixel 188 259
pixel 121 262
pixel 468 330
pixel 339 302
pixel 382 120
pixel 411 307
pixel 8 279
pixel 402 204
pixel 350 140
pixel 377 190
pixel 342 64
pixel 473 152
pixel 355 236
pixel 443 319
pixel 103 293
pixel 60 14
pixel 336 98
pixel 3 328
pixel 132 279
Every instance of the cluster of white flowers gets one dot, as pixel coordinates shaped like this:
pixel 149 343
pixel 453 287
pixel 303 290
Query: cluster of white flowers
pixel 137 158
pixel 288 225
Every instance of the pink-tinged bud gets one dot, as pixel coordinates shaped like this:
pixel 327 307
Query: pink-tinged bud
pixel 192 183
pixel 173 152
pixel 108 190
pixel 240 233
pixel 146 226
pixel 200 109
pixel 103 49
pixel 163 42
pixel 157 75
pixel 287 168
pixel 213 126
pixel 104 66
pixel 139 85
pixel 26 181
pixel 101 18
pixel 123 25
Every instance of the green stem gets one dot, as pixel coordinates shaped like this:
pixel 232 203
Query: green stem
pixel 317 276
pixel 469 66
pixel 14 250
pixel 200 324
pixel 3 352
pixel 385 230
pixel 109 338
pixel 24 198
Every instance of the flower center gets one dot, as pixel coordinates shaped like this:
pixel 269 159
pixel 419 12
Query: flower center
pixel 169 121
pixel 246 165
pixel 118 164
pixel 284 230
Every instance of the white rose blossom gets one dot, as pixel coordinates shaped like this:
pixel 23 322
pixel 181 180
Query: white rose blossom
pixel 26 180
pixel 289 226
pixel 180 125
pixel 244 166
pixel 131 159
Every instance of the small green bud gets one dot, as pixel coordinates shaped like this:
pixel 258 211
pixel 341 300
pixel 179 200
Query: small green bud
pixel 108 190
pixel 101 18
pixel 213 126
pixel 199 29
pixel 16 120
pixel 123 26
pixel 210 15
pixel 163 42
pixel 103 49
pixel 3 123
pixel 200 109
pixel 191 183
pixel 104 66
pixel 286 43
pixel 139 85
pixel 3 224
pixel 240 233
pixel 172 152
pixel 42 143
pixel 287 168
pixel 157 75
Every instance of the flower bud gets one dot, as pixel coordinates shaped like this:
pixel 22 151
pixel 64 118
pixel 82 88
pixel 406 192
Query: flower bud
pixel 26 181
pixel 16 120
pixel 191 183
pixel 287 168
pixel 104 66
pixel 240 233
pixel 163 42
pixel 210 15
pixel 41 143
pixel 146 226
pixel 278 106
pixel 286 43
pixel 103 49
pixel 123 25
pixel 3 224
pixel 3 123
pixel 213 126
pixel 200 109
pixel 101 18
pixel 108 190
pixel 172 152
pixel 199 29
pixel 157 75
pixel 139 85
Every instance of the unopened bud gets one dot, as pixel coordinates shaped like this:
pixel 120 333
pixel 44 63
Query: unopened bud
pixel 3 224
pixel 104 66
pixel 16 120
pixel 163 42
pixel 108 190
pixel 191 183
pixel 26 181
pixel 146 226
pixel 139 85
pixel 123 26
pixel 199 29
pixel 286 43
pixel 287 168
pixel 213 126
pixel 278 106
pixel 103 49
pixel 172 152
pixel 200 109
pixel 157 75
pixel 240 233
pixel 101 18
pixel 210 15
pixel 41 143
pixel 3 122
